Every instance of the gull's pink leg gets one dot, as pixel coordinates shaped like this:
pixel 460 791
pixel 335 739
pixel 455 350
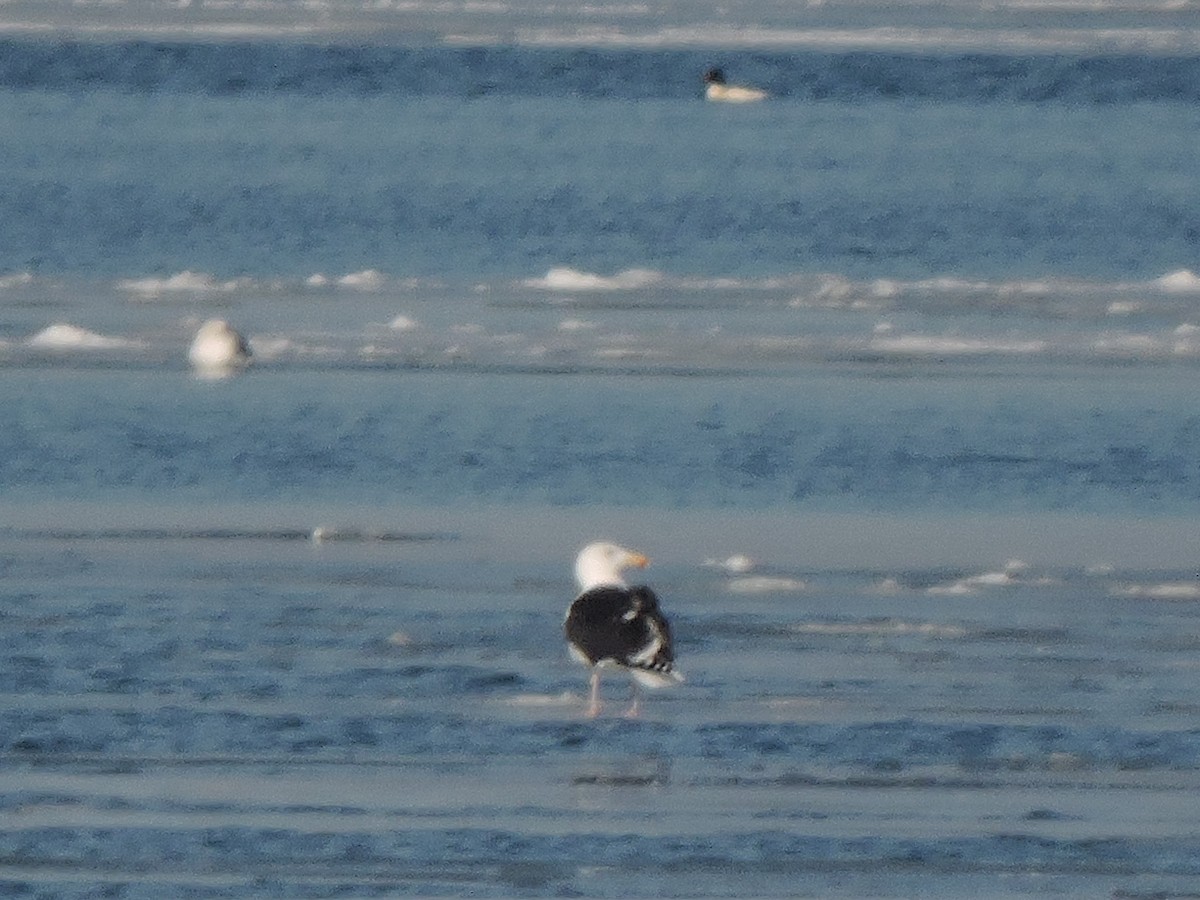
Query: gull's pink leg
pixel 635 706
pixel 594 698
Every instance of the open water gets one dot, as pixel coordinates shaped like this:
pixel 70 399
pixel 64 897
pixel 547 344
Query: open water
pixel 893 375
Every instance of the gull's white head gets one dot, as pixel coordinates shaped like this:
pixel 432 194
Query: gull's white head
pixel 602 563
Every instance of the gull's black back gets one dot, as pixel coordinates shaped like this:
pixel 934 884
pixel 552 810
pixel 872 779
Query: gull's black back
pixel 615 623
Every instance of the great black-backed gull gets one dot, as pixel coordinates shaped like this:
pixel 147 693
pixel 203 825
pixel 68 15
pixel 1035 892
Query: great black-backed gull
pixel 716 89
pixel 217 349
pixel 611 624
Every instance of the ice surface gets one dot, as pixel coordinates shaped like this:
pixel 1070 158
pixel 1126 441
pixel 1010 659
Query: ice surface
pixel 287 717
pixel 65 337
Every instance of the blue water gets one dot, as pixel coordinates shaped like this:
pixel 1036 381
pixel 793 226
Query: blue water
pixel 271 160
pixel 893 375
pixel 1110 443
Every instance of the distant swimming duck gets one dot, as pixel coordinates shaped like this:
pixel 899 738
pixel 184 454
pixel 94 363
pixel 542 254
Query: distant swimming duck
pixel 716 89
pixel 218 349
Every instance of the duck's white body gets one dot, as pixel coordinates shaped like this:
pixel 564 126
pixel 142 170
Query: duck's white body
pixel 718 91
pixel 733 93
